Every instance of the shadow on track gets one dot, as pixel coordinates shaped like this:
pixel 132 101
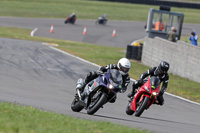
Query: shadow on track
pixel 143 122
pixel 120 119
pixel 155 119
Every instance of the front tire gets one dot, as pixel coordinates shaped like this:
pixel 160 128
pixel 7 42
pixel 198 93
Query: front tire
pixel 72 22
pixel 75 105
pixel 142 106
pixel 99 103
pixel 104 22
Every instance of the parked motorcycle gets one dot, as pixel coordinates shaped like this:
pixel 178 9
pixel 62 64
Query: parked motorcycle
pixel 70 20
pixel 145 96
pixel 98 92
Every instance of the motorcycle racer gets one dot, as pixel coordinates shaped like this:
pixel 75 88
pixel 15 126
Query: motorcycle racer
pixel 123 66
pixel 71 19
pixel 102 19
pixel 160 71
pixel 73 16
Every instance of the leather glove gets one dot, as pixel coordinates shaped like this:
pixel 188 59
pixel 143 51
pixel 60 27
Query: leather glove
pixel 122 90
pixel 103 69
pixel 99 72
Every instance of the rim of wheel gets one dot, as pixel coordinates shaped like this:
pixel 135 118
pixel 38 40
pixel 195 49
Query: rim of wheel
pixel 93 101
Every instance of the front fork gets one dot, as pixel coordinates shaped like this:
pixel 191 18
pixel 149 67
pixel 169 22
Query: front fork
pixel 79 94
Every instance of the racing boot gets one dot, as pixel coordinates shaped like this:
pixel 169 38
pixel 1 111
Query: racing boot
pixel 132 93
pixel 80 85
pixel 134 89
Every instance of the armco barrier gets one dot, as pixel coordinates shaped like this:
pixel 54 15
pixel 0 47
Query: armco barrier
pixel 184 58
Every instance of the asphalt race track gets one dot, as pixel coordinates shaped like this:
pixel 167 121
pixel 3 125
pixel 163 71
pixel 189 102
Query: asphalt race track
pixel 126 31
pixel 38 75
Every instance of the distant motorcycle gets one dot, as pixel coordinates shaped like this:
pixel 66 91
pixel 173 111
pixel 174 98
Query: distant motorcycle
pixel 101 20
pixel 145 97
pixel 98 92
pixel 70 20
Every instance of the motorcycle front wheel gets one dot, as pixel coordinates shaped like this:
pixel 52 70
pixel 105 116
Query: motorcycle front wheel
pixel 97 103
pixel 72 22
pixel 142 106
pixel 104 22
pixel 75 105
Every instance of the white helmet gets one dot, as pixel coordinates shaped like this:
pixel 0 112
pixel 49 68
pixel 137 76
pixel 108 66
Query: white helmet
pixel 124 65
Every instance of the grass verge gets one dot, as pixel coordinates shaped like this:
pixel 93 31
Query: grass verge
pixel 86 9
pixel 25 119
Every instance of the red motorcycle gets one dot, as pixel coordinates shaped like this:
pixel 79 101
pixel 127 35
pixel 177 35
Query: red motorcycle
pixel 145 96
pixel 71 20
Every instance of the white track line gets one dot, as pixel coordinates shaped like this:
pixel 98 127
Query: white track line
pixel 74 56
pixel 131 78
pixel 33 31
pixel 182 98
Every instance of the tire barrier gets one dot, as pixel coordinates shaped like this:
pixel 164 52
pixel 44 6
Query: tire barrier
pixel 139 57
pixel 134 52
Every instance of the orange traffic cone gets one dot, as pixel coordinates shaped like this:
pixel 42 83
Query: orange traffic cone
pixel 51 29
pixel 84 30
pixel 114 33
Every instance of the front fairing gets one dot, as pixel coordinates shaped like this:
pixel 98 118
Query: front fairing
pixel 103 84
pixel 150 89
pixel 111 78
pixel 91 86
pixel 152 85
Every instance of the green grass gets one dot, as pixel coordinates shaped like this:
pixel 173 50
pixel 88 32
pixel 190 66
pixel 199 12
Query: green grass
pixel 86 9
pixel 25 119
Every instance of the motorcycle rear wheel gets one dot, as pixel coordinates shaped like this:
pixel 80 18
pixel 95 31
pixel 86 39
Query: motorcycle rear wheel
pixel 142 106
pixel 99 103
pixel 128 110
pixel 75 105
pixel 66 21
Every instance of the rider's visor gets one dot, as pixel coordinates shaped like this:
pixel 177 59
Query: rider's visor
pixel 125 69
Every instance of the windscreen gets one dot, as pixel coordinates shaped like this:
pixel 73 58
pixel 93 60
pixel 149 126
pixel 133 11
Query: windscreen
pixel 115 77
pixel 155 82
